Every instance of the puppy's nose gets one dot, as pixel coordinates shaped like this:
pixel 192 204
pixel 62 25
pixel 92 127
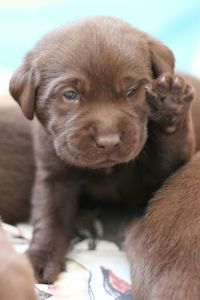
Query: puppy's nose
pixel 108 142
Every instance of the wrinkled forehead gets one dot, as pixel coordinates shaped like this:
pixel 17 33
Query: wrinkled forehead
pixel 101 56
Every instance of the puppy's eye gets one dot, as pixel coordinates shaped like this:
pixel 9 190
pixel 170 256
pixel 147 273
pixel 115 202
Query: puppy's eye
pixel 71 95
pixel 131 92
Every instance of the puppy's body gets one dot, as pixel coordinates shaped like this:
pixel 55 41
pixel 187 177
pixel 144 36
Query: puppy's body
pixel 113 122
pixel 17 165
pixel 163 246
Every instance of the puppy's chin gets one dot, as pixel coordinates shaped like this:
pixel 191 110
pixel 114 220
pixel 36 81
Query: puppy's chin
pixel 94 164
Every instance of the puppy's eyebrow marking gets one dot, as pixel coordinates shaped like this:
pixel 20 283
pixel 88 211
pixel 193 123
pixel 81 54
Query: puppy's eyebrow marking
pixel 130 82
pixel 136 82
pixel 58 82
pixel 66 79
pixel 143 81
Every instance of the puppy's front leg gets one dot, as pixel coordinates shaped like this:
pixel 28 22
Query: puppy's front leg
pixel 171 134
pixel 163 246
pixel 54 206
pixel 54 203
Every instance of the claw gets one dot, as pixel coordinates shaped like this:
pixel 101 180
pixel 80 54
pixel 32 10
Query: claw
pixel 163 84
pixel 190 94
pixel 178 85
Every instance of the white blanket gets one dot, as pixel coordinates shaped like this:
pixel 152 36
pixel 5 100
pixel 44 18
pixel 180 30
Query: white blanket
pixel 101 274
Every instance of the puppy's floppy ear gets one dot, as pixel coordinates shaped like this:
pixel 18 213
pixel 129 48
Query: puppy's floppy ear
pixel 23 88
pixel 162 58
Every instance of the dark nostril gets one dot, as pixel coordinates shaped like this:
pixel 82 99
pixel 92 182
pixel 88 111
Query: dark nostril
pixel 116 145
pixel 107 142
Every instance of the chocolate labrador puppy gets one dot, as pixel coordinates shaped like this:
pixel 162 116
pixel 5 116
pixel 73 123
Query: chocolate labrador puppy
pixel 112 122
pixel 163 246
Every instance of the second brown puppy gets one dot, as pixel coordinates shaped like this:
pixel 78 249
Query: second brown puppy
pixel 163 246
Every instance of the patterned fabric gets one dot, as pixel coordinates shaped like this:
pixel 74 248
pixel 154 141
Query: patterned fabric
pixel 97 274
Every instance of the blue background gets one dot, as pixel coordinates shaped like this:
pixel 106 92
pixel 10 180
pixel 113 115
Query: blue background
pixel 176 23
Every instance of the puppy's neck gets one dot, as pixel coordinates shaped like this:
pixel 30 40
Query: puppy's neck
pixel 106 171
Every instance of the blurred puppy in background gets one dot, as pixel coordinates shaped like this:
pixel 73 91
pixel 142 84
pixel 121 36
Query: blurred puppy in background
pixel 163 246
pixel 16 274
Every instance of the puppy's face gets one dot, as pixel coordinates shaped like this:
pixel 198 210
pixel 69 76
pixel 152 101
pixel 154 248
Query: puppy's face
pixel 86 84
pixel 94 122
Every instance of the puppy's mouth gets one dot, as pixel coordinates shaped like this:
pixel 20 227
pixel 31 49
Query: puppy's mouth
pixel 95 159
pixel 103 164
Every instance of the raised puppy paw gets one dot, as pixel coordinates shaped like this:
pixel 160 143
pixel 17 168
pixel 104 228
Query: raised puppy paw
pixel 46 265
pixel 169 97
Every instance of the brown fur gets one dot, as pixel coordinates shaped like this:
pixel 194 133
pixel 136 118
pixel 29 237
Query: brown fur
pixel 104 146
pixel 163 246
pixel 16 275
